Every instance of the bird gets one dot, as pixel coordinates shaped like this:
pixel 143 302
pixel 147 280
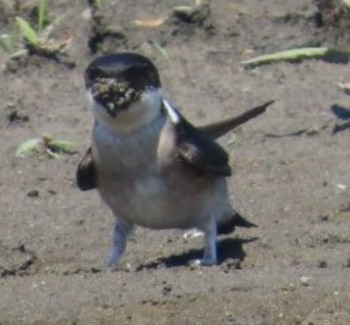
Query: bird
pixel 150 165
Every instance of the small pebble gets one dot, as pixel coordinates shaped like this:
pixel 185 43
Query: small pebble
pixel 322 264
pixel 33 193
pixel 345 86
pixel 166 289
pixel 305 281
pixel 341 187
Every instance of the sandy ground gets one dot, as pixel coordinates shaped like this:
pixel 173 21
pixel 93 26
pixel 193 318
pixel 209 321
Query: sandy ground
pixel 291 172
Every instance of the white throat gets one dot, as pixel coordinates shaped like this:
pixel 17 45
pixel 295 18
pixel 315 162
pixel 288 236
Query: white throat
pixel 137 115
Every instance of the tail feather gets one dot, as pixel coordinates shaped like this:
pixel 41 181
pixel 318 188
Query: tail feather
pixel 216 130
pixel 235 221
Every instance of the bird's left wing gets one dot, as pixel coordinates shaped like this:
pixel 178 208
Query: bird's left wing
pixel 86 172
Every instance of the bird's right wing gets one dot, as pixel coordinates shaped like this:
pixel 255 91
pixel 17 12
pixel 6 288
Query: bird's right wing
pixel 86 175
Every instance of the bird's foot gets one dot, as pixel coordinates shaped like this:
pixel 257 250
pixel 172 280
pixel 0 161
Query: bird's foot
pixel 113 259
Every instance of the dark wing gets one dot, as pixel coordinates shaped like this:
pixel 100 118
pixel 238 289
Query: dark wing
pixel 86 172
pixel 218 129
pixel 199 151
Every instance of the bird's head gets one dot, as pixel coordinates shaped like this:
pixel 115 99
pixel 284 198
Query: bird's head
pixel 124 90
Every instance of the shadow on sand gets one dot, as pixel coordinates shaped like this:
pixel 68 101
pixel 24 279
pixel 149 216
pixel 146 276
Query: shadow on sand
pixel 228 248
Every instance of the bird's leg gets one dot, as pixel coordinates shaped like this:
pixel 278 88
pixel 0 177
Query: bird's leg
pixel 121 232
pixel 210 236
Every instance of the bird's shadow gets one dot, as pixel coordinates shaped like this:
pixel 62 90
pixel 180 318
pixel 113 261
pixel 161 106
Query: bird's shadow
pixel 228 248
pixel 336 56
pixel 342 113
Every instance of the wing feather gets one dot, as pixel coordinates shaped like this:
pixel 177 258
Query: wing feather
pixel 86 175
pixel 200 152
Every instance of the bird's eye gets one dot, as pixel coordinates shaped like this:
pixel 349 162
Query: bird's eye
pixel 94 73
pixel 137 76
pixel 91 75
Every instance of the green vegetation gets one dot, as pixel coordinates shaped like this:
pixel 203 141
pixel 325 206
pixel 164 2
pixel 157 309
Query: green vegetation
pixel 346 3
pixel 38 39
pixel 42 14
pixel 29 34
pixel 293 55
pixel 46 145
pixel 6 43
pixel 163 52
pixel 37 36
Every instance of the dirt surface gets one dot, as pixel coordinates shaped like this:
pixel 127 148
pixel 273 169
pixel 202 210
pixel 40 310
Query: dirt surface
pixel 291 170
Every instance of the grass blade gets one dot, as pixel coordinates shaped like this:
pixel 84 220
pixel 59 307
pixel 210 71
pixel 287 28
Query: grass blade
pixel 42 14
pixel 27 31
pixel 290 55
pixel 149 23
pixel 164 53
pixel 99 4
pixel 6 43
pixel 28 147
pixel 62 146
pixel 347 3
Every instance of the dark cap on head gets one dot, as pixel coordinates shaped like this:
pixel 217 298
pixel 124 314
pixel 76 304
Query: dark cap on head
pixel 135 69
pixel 118 80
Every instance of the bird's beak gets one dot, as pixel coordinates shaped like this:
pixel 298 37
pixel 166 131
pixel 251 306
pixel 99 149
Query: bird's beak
pixel 113 95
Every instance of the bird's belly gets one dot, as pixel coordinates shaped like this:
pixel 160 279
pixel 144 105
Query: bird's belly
pixel 150 202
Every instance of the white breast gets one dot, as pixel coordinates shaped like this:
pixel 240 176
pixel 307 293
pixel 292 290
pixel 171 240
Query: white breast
pixel 129 178
pixel 136 187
